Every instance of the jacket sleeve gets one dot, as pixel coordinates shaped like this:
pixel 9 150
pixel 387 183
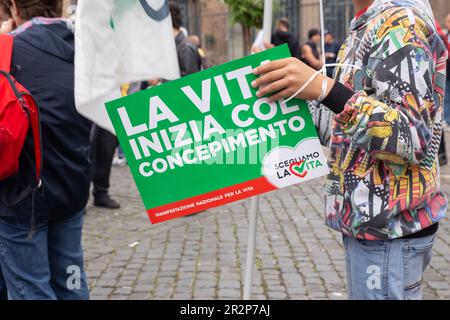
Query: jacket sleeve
pixel 393 118
pixel 322 118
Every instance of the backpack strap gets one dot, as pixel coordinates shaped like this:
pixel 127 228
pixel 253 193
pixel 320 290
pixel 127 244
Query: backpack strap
pixel 6 49
pixel 35 123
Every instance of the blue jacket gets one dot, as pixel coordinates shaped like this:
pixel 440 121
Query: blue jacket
pixel 43 62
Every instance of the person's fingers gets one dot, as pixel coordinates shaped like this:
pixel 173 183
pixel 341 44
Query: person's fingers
pixel 271 66
pixel 273 87
pixel 269 77
pixel 286 93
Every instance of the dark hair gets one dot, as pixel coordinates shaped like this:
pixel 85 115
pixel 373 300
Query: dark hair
pixel 29 9
pixel 175 12
pixel 284 22
pixel 313 32
pixel 4 9
pixel 3 6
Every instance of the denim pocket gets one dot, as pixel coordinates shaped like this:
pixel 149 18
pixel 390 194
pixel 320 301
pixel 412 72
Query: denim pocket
pixel 416 258
pixel 345 242
pixel 414 291
pixel 421 244
pixel 373 245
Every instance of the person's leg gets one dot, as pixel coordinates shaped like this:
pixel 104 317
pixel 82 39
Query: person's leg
pixel 119 159
pixel 104 145
pixel 3 290
pixel 68 278
pixel 442 153
pixel 417 255
pixel 348 267
pixel 24 262
pixel 390 269
pixel 447 102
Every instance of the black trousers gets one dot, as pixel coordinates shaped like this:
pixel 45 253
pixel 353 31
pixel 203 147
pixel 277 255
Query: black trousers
pixel 103 146
pixel 442 151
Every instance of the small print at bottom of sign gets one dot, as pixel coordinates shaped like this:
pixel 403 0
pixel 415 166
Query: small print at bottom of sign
pixel 282 167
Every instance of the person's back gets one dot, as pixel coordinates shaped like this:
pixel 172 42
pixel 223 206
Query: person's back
pixel 447 26
pixel 447 87
pixel 188 57
pixel 282 36
pixel 331 48
pixel 310 53
pixel 195 40
pixel 43 63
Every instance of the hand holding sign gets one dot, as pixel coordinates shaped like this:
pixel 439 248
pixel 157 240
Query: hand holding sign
pixel 282 78
pixel 206 140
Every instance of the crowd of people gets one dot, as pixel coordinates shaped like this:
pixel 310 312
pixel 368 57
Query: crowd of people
pixel 308 52
pixel 386 129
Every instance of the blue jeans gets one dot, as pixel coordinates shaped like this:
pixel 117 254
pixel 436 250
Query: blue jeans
pixel 387 270
pixel 447 102
pixel 47 267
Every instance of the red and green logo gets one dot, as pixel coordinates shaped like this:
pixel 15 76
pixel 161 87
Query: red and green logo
pixel 298 169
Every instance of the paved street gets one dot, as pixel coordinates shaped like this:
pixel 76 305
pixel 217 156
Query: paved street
pixel 203 256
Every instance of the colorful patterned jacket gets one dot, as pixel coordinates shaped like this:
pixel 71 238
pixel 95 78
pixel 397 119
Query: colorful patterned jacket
pixel 384 180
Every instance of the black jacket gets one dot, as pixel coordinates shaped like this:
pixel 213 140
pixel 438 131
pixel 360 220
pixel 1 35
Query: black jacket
pixel 448 60
pixel 188 57
pixel 43 60
pixel 280 37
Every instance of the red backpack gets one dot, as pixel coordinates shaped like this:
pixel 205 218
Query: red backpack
pixel 18 113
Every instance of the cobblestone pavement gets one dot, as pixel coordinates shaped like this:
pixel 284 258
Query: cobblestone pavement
pixel 203 256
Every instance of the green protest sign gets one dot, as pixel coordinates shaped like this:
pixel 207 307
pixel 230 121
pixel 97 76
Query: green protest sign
pixel 206 140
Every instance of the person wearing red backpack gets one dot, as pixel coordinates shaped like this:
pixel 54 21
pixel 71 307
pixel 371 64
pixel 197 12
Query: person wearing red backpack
pixel 41 255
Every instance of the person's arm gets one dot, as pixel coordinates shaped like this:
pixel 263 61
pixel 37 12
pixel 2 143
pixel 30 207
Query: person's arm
pixel 308 55
pixel 395 123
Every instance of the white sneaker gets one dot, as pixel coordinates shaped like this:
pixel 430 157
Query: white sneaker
pixel 119 162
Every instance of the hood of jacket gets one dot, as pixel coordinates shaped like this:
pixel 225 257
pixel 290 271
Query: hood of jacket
pixel 54 39
pixel 283 35
pixel 380 5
